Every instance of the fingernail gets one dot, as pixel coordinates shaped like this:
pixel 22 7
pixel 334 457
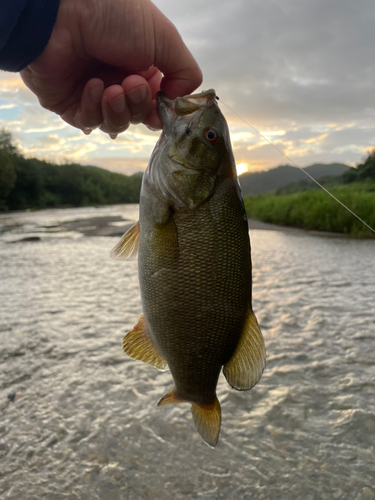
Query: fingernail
pixel 137 95
pixel 87 131
pixel 96 93
pixel 118 104
pixel 113 136
pixel 136 119
pixel 152 128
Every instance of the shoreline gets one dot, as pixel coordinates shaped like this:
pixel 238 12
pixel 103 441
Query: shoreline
pixel 267 226
pixel 116 225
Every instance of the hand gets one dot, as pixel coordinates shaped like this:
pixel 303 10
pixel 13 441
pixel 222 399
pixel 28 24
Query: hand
pixel 105 62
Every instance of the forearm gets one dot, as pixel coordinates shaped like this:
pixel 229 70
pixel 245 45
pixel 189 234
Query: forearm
pixel 25 28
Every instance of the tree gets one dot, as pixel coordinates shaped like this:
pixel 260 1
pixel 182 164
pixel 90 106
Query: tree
pixel 6 142
pixel 32 183
pixel 365 170
pixel 8 176
pixel 29 185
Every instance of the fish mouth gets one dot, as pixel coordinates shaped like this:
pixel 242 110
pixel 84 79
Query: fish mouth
pixel 183 106
pixel 186 166
pixel 175 162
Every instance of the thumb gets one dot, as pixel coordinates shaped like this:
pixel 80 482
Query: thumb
pixel 182 74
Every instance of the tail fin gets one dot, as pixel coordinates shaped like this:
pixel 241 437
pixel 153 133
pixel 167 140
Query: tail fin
pixel 207 418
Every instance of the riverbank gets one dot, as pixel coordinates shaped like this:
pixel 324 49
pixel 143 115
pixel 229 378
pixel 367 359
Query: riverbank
pixel 115 226
pixel 314 210
pixel 43 225
pixel 59 223
pixel 267 226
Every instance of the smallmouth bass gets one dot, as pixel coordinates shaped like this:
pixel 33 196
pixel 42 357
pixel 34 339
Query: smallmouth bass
pixel 194 263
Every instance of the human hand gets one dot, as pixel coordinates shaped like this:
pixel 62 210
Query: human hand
pixel 104 64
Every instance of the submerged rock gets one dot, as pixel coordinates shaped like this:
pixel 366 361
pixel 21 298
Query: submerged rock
pixel 28 238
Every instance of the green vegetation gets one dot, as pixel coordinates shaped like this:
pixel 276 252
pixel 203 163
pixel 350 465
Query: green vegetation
pixel 31 183
pixel 327 181
pixel 253 183
pixel 314 209
pixel 364 171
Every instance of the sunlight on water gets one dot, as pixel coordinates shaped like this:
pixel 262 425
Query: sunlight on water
pixel 78 419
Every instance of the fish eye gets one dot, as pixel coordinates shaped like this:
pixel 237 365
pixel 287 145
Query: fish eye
pixel 212 135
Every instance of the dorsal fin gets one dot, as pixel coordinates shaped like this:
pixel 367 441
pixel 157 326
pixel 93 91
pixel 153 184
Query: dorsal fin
pixel 127 247
pixel 246 365
pixel 138 345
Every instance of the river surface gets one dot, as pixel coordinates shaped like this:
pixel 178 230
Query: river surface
pixel 78 418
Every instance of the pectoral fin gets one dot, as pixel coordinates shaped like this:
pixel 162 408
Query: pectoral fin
pixel 127 247
pixel 246 365
pixel 207 418
pixel 138 345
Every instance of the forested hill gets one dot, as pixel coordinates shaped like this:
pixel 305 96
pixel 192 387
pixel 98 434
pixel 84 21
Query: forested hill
pixel 31 183
pixel 312 209
pixel 270 180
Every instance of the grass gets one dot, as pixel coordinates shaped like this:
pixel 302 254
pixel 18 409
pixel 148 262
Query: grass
pixel 314 209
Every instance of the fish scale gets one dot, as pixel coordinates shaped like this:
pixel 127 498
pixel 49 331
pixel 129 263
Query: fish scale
pixel 224 283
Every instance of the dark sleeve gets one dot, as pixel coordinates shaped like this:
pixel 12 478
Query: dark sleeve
pixel 25 28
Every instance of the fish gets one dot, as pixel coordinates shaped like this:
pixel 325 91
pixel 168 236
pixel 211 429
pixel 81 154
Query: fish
pixel 194 263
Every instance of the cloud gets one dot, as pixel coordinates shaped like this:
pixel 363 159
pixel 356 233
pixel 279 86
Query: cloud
pixel 11 81
pixel 301 72
pixel 287 60
pixel 7 106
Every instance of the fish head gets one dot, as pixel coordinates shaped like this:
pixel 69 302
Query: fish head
pixel 193 153
pixel 196 133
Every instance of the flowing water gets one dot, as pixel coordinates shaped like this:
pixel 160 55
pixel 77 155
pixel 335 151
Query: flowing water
pixel 78 419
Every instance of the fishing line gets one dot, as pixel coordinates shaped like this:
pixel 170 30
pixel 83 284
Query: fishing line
pixel 300 168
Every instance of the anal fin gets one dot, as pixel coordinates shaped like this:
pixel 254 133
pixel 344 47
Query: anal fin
pixel 206 417
pixel 169 399
pixel 246 365
pixel 127 247
pixel 138 345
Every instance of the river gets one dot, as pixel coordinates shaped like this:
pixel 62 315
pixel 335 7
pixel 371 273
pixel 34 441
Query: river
pixel 78 418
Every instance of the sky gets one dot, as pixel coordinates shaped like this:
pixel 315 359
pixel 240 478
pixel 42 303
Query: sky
pixel 302 72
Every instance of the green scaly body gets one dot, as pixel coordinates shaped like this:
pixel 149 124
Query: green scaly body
pixel 195 289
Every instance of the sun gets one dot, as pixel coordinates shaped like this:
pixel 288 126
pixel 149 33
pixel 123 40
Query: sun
pixel 241 168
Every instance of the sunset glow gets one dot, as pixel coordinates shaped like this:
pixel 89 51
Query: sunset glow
pixel 241 168
pixel 311 111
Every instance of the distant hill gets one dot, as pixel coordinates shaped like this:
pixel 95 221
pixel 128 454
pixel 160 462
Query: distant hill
pixel 32 183
pixel 276 178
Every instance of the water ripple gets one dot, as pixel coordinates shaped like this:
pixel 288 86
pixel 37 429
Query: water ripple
pixel 78 418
